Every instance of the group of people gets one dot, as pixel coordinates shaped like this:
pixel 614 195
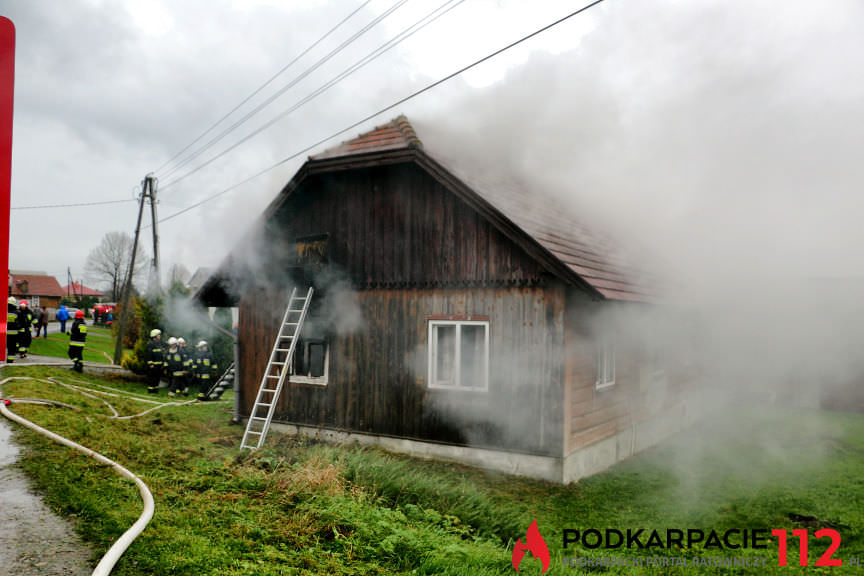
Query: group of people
pixel 183 368
pixel 20 319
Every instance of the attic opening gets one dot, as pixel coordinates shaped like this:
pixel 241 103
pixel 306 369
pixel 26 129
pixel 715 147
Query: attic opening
pixel 311 361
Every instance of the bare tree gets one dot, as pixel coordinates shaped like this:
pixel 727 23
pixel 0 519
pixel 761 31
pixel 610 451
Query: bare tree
pixel 109 262
pixel 178 274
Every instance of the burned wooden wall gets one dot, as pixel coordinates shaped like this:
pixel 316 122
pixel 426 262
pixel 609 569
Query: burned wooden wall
pixel 410 250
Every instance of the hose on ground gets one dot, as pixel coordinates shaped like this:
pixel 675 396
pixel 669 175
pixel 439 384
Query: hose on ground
pixel 119 547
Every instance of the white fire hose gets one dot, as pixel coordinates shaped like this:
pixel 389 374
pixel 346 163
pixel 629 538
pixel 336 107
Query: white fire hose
pixel 116 551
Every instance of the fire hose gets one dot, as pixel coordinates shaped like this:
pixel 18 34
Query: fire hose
pixel 116 551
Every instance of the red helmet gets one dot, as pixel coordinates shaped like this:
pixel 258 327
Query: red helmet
pixel 79 314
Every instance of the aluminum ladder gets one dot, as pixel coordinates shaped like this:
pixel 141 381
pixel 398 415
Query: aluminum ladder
pixel 278 367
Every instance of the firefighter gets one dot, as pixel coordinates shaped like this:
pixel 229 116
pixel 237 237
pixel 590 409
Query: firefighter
pixel 155 361
pixel 77 336
pixel 25 324
pixel 204 367
pixel 11 329
pixel 187 364
pixel 174 363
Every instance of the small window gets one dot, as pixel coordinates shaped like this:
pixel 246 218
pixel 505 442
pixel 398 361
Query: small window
pixel 311 361
pixel 605 365
pixel 459 355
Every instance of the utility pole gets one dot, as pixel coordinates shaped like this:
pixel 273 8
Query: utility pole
pixel 147 191
pixel 155 271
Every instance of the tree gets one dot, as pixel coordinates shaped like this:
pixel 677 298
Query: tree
pixel 178 275
pixel 109 262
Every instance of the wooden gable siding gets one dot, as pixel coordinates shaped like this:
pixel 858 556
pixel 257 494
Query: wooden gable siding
pixel 378 374
pixel 413 249
pixel 396 226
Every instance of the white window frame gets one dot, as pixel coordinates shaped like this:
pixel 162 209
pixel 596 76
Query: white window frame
pixel 316 380
pixel 433 355
pixel 605 365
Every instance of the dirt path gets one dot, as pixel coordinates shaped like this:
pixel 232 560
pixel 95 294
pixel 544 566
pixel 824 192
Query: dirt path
pixel 33 540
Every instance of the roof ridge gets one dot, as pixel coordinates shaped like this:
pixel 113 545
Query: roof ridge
pixel 408 133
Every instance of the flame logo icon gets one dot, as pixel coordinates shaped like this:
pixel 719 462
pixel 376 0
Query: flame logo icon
pixel 535 544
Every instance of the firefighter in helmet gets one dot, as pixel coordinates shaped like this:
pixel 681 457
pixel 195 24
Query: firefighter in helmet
pixel 77 336
pixel 174 363
pixel 155 361
pixel 204 367
pixel 25 324
pixel 11 329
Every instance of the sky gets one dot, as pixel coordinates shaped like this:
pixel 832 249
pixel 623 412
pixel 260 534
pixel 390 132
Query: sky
pixel 108 91
pixel 721 137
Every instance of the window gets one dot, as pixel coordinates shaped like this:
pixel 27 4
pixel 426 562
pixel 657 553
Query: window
pixel 605 365
pixel 459 354
pixel 311 361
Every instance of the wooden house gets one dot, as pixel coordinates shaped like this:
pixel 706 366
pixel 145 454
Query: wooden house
pixel 454 318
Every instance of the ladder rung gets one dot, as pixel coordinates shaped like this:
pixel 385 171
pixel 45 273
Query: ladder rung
pixel 273 376
pixel 271 390
pixel 258 418
pixel 253 432
pixel 278 363
pixel 292 324
pixel 283 349
pixel 264 404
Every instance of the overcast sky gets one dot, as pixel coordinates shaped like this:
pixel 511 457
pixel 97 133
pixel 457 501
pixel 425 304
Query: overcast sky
pixel 724 135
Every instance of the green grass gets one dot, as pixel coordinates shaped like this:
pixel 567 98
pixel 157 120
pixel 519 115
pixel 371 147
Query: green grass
pixel 99 346
pixel 303 507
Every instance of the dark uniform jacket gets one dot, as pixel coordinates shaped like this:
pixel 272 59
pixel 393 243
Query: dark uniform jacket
pixel 203 365
pixel 78 334
pixel 155 357
pixel 174 361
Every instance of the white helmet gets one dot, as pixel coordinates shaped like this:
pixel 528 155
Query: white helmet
pixel 155 332
pixel 181 341
pixel 172 341
pixel 11 300
pixel 201 344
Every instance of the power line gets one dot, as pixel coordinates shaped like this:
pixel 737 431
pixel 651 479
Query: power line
pixel 374 54
pixel 385 109
pixel 264 85
pixel 287 87
pixel 71 205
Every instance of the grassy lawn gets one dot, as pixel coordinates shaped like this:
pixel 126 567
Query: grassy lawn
pixel 301 507
pixel 99 346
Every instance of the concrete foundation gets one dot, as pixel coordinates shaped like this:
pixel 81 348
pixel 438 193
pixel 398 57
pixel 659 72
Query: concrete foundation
pixel 578 464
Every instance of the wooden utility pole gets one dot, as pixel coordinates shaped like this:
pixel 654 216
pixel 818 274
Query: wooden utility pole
pixel 147 191
pixel 155 271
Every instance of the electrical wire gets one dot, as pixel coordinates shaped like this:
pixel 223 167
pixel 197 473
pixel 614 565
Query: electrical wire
pixel 76 205
pixel 382 111
pixel 264 85
pixel 373 55
pixel 288 86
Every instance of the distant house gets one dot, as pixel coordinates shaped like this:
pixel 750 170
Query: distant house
pixel 77 290
pixel 453 317
pixel 37 288
pixel 198 278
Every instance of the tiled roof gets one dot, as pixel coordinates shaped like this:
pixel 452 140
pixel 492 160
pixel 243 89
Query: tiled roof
pixel 80 290
pixel 395 135
pixel 550 223
pixel 35 285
